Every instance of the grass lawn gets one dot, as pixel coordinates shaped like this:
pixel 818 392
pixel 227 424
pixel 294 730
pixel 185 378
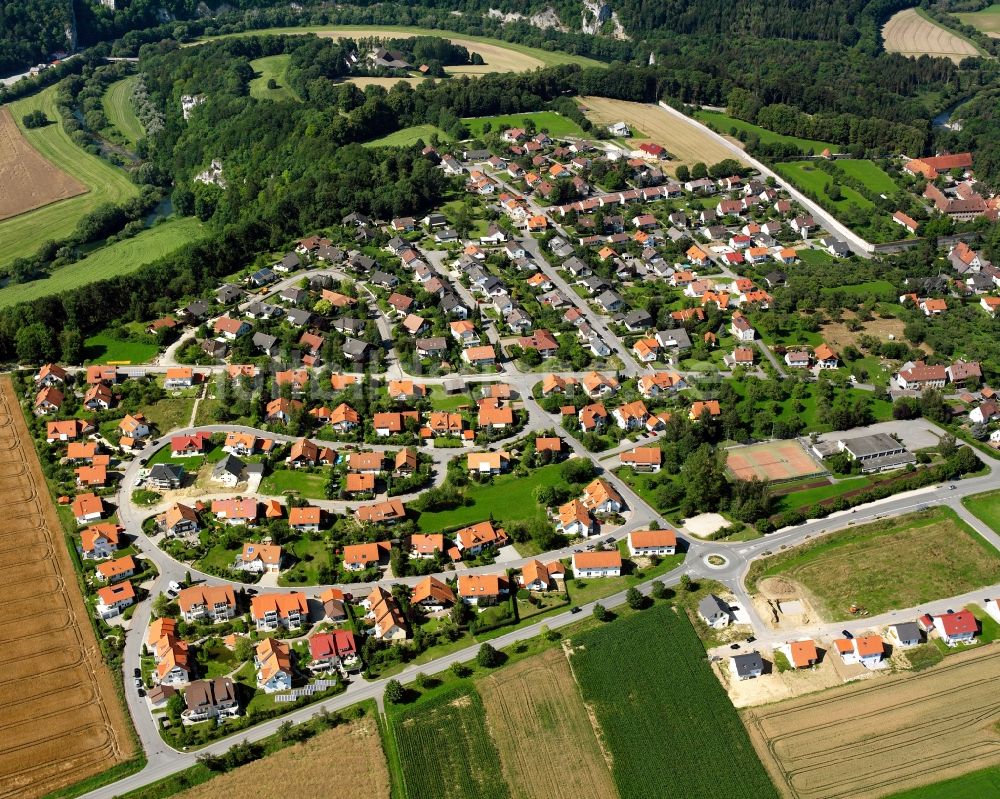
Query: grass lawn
pixel 169 414
pixel 117 102
pixel 548 57
pixel 102 348
pixel 218 557
pixel 629 672
pixel 974 785
pixel 814 256
pixel 555 124
pixel 115 259
pixel 896 563
pixel 407 136
pixel 309 556
pixel 799 499
pixel 276 67
pixel 883 288
pixel 508 498
pixel 869 173
pixel 480 224
pixel 808 177
pixel 442 401
pixel 310 485
pixel 21 235
pixel 724 124
pixel 986 508
pixel 583 591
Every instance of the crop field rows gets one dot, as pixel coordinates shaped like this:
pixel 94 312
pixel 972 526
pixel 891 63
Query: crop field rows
pixel 61 720
pixel 886 736
pixel 28 180
pixel 909 33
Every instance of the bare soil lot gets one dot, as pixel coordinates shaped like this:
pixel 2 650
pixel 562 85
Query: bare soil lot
pixel 910 34
pixel 61 719
pixel 346 762
pixel 686 142
pixel 546 740
pixel 28 180
pixel 880 736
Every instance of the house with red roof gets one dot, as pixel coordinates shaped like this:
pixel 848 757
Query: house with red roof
pixel 956 628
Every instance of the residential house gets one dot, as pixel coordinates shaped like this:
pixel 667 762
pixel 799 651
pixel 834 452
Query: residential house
pixel 215 603
pixel 273 661
pixel 482 590
pixel 287 611
pixel 112 600
pixel 648 543
pixel 209 699
pixel 599 496
pixel 488 463
pixel 113 571
pixel 87 508
pixel 333 650
pixel 471 540
pixel 597 564
pixel 714 611
pixel 390 625
pixel 574 520
pixel 358 557
pixel 956 628
pixel 642 459
pixel 431 595
pixel 747 666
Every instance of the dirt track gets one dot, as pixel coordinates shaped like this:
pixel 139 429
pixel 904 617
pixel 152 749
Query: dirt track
pixel 61 720
pixel 910 34
pixel 27 180
pixel 884 735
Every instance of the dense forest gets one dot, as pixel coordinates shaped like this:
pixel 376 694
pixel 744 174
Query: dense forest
pixel 30 31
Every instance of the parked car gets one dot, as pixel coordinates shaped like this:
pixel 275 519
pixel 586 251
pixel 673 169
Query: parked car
pixel 575 609
pixel 137 672
pixel 847 634
pixel 734 646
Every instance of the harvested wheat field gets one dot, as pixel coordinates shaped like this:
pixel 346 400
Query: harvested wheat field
pixel 346 762
pixel 686 141
pixel 881 736
pixel 28 180
pixel 912 35
pixel 497 58
pixel 547 744
pixel 61 720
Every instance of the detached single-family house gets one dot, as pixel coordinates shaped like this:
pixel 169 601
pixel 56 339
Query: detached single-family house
pixel 652 542
pixel 746 667
pixel 273 660
pixel 597 564
pixel 956 628
pixel 714 611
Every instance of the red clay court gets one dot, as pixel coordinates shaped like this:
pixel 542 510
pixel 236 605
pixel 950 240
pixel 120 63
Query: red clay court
pixel 772 460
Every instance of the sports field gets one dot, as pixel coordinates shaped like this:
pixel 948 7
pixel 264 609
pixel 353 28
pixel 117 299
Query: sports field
pixel 547 742
pixel 912 34
pixel 62 721
pixel 686 142
pixel 119 258
pixel 889 564
pixel 868 740
pixel 555 124
pixel 724 124
pixel 987 20
pixel 117 102
pixel 21 234
pixel 28 180
pixel 772 460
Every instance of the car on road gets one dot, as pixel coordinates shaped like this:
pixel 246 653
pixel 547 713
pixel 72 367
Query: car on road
pixel 609 541
pixel 847 634
pixel 734 646
pixel 577 550
pixel 138 682
pixel 137 672
pixel 751 639
pixel 575 609
pixel 951 487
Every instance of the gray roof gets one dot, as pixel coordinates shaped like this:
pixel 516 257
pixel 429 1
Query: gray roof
pixel 262 276
pixel 290 261
pixel 228 293
pixel 873 445
pixel 432 343
pixel 293 294
pixel 198 308
pixel 907 631
pixel 381 278
pixel 638 317
pixel 349 324
pixel 166 471
pixel 229 465
pixel 678 337
pixel 264 341
pixel 748 664
pixel 355 348
pixel 711 606
pixel 575 266
pixel 298 316
pixel 608 298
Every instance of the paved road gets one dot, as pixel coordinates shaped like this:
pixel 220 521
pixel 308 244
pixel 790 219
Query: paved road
pixel 854 241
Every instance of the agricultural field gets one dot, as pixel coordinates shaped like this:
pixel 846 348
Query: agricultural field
pixel 685 141
pixel 547 743
pixel 912 34
pixel 276 67
pixel 507 498
pixel 895 563
pixel 985 507
pixel 987 20
pixel 975 785
pixel 29 180
pixel 445 749
pixel 724 125
pixel 407 136
pixel 117 102
pixel 869 739
pixel 554 124
pixel 666 722
pixel 62 720
pixel 115 259
pixel 23 233
pixel 500 56
pixel 353 752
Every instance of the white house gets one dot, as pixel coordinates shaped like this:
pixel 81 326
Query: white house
pixel 652 542
pixel 597 564
pixel 714 611
pixel 956 628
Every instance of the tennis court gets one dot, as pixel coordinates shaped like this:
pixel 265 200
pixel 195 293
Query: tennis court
pixel 772 460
